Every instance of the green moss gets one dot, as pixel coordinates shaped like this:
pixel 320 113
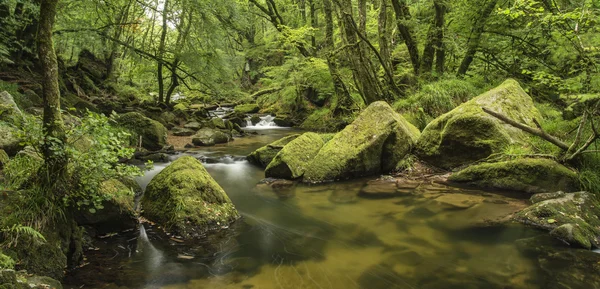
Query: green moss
pixel 187 200
pixel 153 133
pixel 578 211
pixel 291 162
pixel 246 108
pixel 467 134
pixel 528 175
pixel 9 142
pixel 209 137
pixel 264 155
pixel 6 262
pixel 118 192
pixel 4 159
pixel 180 107
pixel 376 141
pixel 324 120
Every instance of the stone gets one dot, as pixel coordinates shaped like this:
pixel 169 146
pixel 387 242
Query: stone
pixel 246 108
pixel 467 134
pixel 118 212
pixel 380 189
pixel 9 142
pixel 292 161
pixel 194 125
pixel 217 122
pixel 264 155
pixel 187 201
pixel 177 131
pixel 580 211
pixel 377 141
pixel 209 137
pixel 153 133
pixel 527 175
pixel 546 196
pixel 9 111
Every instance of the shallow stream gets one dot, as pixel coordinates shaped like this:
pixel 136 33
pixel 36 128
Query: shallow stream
pixel 330 236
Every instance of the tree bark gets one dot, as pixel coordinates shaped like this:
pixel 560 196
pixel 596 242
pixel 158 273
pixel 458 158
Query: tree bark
pixel 473 42
pixel 161 52
pixel 55 137
pixel 384 34
pixel 440 22
pixel 402 16
pixel 341 94
pixel 434 40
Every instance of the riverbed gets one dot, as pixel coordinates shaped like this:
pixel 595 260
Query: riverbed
pixel 327 236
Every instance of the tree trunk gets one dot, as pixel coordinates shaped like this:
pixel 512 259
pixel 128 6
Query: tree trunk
pixel 402 16
pixel 54 139
pixel 473 42
pixel 434 39
pixel 341 95
pixel 384 34
pixel 314 23
pixel 440 23
pixel 161 52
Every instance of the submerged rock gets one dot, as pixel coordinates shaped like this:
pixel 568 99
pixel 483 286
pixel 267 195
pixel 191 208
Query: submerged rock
pixel 185 199
pixel 527 175
pixel 209 137
pixel 467 134
pixel 375 142
pixel 153 133
pixel 572 218
pixel 264 155
pixel 291 162
pixel 459 201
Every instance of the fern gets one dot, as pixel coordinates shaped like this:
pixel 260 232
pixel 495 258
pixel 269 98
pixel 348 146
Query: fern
pixel 17 232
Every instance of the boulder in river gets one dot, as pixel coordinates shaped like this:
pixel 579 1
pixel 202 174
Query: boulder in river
pixel 291 162
pixel 153 133
pixel 246 108
pixel 468 134
pixel 117 213
pixel 186 200
pixel 375 142
pixel 573 218
pixel 527 175
pixel 209 137
pixel 264 155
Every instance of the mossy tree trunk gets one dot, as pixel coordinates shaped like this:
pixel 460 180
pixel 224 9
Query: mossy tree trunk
pixel 341 97
pixel 475 39
pixel 384 34
pixel 55 137
pixel 434 44
pixel 402 17
pixel 161 52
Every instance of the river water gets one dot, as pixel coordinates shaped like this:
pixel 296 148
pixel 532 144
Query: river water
pixel 327 237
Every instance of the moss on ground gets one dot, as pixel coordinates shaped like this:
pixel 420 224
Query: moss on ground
pixel 467 134
pixel 187 200
pixel 292 161
pixel 376 141
pixel 527 175
pixel 264 155
pixel 153 133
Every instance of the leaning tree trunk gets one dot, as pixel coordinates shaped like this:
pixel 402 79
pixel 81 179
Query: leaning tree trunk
pixel 53 148
pixel 341 96
pixel 161 52
pixel 384 34
pixel 435 37
pixel 473 42
pixel 403 16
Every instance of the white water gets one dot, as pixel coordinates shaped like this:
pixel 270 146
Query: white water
pixel 266 122
pixel 152 256
pixel 220 112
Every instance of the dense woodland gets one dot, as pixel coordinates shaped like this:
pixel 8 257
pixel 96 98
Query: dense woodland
pixel 74 67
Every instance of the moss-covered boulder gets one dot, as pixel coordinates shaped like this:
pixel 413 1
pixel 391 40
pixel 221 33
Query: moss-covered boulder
pixel 264 155
pixel 117 212
pixel 186 200
pixel 216 122
pixel 573 218
pixel 209 137
pixel 291 162
pixel 153 133
pixel 9 111
pixel 467 134
pixel 375 142
pixel 246 108
pixel 9 142
pixel 528 175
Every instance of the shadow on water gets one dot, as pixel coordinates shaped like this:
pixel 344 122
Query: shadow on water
pixel 327 236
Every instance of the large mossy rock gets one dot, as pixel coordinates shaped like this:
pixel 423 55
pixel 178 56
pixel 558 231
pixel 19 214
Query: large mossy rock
pixel 153 133
pixel 9 142
pixel 527 175
pixel 246 108
pixel 291 162
pixel 118 212
pixel 572 218
pixel 467 134
pixel 375 142
pixel 186 200
pixel 210 137
pixel 263 156
pixel 9 111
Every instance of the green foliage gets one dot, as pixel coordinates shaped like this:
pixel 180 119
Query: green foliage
pixel 15 232
pixel 435 99
pixel 6 262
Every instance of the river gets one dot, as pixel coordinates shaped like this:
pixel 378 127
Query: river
pixel 325 236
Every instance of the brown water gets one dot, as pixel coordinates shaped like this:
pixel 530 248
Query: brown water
pixel 327 236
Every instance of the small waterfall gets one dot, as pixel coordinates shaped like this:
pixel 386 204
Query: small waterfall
pixel 266 122
pixel 152 256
